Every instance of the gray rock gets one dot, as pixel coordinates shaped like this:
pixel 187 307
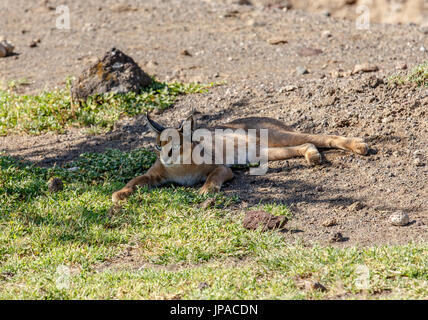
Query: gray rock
pixel 399 218
pixel 326 13
pixel 115 72
pixel 301 70
pixel 6 48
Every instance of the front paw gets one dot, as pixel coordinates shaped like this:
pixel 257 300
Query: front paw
pixel 209 188
pixel 359 146
pixel 121 194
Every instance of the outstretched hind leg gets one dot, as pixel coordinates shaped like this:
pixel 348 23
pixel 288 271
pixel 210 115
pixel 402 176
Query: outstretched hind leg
pixel 307 150
pixel 286 139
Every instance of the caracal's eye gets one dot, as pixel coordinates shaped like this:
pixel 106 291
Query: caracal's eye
pixel 158 147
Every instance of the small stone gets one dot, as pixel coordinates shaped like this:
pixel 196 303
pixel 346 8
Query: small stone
pixel 256 219
pixel 3 51
pixel 281 5
pixel 244 3
pixel 203 285
pixel 400 66
pixel 6 48
pixel 329 222
pixel 314 286
pixel 337 237
pixel 308 52
pixel 418 153
pixel 418 162
pixel 151 64
pixel 399 218
pixel 301 70
pixel 365 67
pixel 356 206
pixel 336 74
pixel 55 185
pixel 287 88
pixel 34 43
pixel 277 40
pixel 374 82
pixel 326 34
pixel 185 53
pixel 326 13
pixel 423 49
pixel 254 23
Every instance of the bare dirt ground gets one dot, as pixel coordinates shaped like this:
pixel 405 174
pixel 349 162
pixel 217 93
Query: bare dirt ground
pixel 384 11
pixel 232 43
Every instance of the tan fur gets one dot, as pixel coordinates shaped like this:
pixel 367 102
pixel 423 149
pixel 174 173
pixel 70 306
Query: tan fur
pixel 283 144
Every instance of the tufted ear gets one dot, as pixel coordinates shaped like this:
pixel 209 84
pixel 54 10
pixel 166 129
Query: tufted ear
pixel 190 119
pixel 154 126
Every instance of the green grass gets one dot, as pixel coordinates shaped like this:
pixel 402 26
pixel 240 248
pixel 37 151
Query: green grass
pixel 53 111
pixel 176 244
pixel 418 75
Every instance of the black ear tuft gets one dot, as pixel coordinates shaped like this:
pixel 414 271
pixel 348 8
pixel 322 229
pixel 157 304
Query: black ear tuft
pixel 156 127
pixel 188 119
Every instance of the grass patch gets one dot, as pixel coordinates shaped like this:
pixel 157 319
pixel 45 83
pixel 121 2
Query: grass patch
pixel 52 110
pixel 418 75
pixel 52 244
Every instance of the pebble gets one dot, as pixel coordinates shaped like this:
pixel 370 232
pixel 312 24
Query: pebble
pixel 418 162
pixel 203 285
pixel 399 218
pixel 329 222
pixel 6 48
pixel 337 237
pixel 401 66
pixel 185 53
pixel 365 67
pixel 278 40
pixel 287 88
pixel 326 13
pixel 151 64
pixel 244 3
pixel 314 286
pixel 301 70
pixel 3 51
pixel 34 43
pixel 326 34
pixel 254 23
pixel 356 206
pixel 423 49
pixel 418 153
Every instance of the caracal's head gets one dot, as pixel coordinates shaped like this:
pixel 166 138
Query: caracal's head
pixel 173 145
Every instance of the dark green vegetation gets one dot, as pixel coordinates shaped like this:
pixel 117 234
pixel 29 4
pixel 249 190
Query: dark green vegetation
pixel 53 111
